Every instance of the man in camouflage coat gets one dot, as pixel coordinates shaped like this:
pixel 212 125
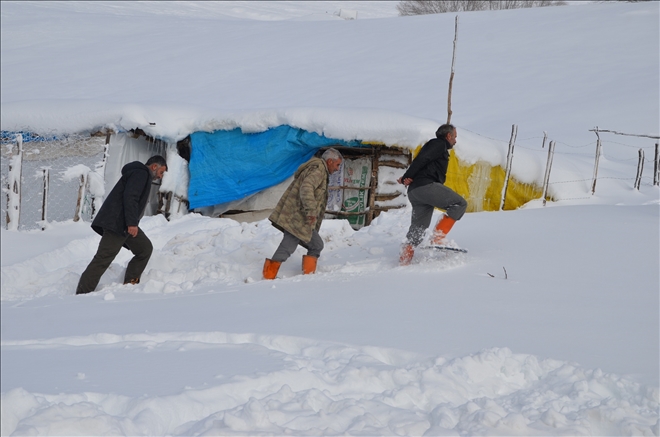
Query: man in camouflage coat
pixel 300 211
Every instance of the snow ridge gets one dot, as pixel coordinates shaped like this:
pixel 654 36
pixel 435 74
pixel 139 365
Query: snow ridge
pixel 333 388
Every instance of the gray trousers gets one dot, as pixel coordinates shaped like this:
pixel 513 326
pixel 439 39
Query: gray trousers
pixel 109 247
pixel 290 243
pixel 424 200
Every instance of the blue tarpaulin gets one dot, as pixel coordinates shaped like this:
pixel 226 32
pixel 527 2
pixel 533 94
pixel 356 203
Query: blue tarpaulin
pixel 230 165
pixel 9 136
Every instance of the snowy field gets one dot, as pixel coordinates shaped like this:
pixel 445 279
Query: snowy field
pixel 548 326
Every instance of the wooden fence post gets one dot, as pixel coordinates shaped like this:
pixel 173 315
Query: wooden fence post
pixel 168 205
pixel 595 177
pixel 640 169
pixel 509 159
pixel 375 157
pixel 81 197
pixel 44 201
pixel 97 202
pixel 548 166
pixel 656 167
pixel 14 187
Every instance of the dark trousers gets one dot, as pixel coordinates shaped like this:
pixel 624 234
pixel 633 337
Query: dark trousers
pixel 109 247
pixel 290 243
pixel 424 200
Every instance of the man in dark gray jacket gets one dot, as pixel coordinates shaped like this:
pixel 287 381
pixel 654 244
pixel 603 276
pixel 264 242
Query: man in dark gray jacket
pixel 117 223
pixel 425 179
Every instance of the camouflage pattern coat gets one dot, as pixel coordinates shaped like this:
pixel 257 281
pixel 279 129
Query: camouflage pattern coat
pixel 306 196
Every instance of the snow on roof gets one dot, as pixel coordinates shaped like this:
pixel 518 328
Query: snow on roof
pixel 174 122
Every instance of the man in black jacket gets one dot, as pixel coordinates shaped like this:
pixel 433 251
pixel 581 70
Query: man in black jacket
pixel 425 180
pixel 117 223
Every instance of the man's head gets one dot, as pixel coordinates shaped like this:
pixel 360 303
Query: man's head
pixel 447 132
pixel 333 159
pixel 157 166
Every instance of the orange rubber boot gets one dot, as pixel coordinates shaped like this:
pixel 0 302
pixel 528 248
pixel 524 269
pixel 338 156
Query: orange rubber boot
pixel 309 264
pixel 407 252
pixel 271 268
pixel 442 229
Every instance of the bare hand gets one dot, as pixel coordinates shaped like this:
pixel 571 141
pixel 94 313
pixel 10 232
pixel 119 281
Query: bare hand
pixel 133 231
pixel 311 220
pixel 406 181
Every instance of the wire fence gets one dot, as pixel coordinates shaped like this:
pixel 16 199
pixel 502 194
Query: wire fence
pixel 49 192
pixel 643 161
pixel 51 157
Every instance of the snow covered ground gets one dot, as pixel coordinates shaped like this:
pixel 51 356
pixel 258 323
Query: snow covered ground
pixel 548 326
pixel 561 339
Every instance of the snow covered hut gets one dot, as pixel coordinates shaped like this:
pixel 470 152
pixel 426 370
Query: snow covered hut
pixel 242 175
pixel 238 165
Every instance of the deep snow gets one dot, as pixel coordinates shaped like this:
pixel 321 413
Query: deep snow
pixel 561 339
pixel 548 326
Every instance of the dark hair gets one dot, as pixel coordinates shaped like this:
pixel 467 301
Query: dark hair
pixel 444 130
pixel 156 159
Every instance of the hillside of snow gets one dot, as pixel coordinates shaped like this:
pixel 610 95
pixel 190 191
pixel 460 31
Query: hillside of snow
pixel 191 63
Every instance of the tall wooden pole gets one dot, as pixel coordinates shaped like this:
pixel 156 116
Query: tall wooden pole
pixel 451 76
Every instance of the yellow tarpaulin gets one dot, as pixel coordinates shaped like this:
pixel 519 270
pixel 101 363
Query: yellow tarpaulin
pixel 481 185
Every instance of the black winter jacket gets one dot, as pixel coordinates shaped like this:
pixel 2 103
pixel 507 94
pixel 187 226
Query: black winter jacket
pixel 126 202
pixel 430 165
